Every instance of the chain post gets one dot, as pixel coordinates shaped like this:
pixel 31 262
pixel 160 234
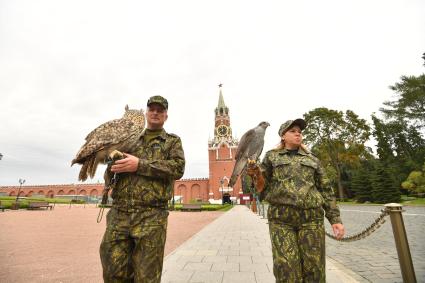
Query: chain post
pixel 264 212
pixel 402 245
pixel 262 209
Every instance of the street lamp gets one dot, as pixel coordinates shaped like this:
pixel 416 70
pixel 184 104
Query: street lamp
pixel 221 184
pixel 21 182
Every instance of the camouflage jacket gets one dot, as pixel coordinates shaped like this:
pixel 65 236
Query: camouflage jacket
pixel 161 162
pixel 298 180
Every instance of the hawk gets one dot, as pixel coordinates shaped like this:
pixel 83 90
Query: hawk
pixel 115 135
pixel 250 148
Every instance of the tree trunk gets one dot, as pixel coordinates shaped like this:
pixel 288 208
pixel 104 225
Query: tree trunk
pixel 333 154
pixel 339 183
pixel 340 189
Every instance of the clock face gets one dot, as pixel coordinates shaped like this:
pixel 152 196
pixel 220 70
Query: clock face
pixel 222 130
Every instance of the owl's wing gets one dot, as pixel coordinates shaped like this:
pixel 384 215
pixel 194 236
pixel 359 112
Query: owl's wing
pixel 104 129
pixel 109 133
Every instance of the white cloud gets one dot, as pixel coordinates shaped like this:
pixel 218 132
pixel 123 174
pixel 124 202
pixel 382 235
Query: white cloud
pixel 67 67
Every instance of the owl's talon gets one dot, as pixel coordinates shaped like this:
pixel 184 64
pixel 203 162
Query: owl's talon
pixel 115 155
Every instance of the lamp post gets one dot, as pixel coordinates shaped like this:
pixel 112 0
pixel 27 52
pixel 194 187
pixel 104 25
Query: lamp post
pixel 21 182
pixel 222 184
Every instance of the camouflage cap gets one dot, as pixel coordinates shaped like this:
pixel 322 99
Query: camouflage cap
pixel 159 100
pixel 290 123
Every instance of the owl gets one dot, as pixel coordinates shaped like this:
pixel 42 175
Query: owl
pixel 116 135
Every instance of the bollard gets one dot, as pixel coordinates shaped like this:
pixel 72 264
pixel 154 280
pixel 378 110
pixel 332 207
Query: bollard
pixel 402 245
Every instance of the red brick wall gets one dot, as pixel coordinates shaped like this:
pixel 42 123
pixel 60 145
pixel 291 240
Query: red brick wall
pixel 54 190
pixel 191 189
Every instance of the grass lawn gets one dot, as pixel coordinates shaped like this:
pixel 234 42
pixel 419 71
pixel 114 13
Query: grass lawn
pixel 7 201
pixel 417 201
pixel 405 200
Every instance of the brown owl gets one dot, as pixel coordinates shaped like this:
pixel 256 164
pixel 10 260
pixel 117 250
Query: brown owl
pixel 119 134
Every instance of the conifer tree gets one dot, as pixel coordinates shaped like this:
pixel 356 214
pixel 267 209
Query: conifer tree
pixel 384 189
pixel 361 184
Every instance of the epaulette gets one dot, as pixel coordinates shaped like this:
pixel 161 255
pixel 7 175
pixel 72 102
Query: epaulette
pixel 273 150
pixel 311 155
pixel 173 135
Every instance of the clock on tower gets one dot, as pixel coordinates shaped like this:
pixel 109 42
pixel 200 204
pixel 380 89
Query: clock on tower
pixel 223 130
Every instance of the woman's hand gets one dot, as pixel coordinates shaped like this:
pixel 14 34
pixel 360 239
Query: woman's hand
pixel 252 169
pixel 338 230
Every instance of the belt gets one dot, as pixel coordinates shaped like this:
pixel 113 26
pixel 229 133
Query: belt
pixel 140 206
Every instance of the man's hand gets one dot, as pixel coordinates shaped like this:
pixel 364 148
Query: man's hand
pixel 338 230
pixel 128 164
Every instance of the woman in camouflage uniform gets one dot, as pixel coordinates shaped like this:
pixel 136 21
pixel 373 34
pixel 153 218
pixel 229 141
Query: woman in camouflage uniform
pixel 300 195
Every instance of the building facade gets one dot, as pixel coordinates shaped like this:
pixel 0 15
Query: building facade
pixel 222 149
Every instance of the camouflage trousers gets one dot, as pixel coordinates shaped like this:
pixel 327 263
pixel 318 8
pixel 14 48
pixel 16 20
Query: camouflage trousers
pixel 298 244
pixel 132 248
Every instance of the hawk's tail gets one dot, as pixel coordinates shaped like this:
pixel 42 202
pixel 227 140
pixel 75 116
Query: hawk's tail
pixel 233 180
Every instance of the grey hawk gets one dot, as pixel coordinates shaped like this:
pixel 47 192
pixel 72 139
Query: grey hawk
pixel 115 135
pixel 249 148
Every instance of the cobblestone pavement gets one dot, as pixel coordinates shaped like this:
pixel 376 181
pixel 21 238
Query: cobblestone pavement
pixel 234 248
pixel 374 259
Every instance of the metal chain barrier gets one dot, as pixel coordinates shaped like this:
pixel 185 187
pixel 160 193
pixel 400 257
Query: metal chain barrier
pixel 366 232
pixel 394 210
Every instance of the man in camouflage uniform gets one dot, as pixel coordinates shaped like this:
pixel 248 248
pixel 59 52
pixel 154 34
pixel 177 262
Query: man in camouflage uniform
pixel 300 195
pixel 132 249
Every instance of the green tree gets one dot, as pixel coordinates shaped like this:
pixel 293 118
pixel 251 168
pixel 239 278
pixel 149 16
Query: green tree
pixel 415 182
pixel 361 182
pixel 384 189
pixel 400 146
pixel 338 139
pixel 382 135
pixel 410 103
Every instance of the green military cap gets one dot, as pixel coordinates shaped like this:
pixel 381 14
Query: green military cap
pixel 159 100
pixel 290 123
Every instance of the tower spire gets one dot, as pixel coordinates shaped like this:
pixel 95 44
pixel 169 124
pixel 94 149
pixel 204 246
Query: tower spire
pixel 222 128
pixel 221 109
pixel 221 103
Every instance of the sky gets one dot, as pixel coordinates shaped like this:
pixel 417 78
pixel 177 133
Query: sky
pixel 68 66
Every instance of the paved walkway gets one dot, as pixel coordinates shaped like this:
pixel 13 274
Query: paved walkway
pixel 234 248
